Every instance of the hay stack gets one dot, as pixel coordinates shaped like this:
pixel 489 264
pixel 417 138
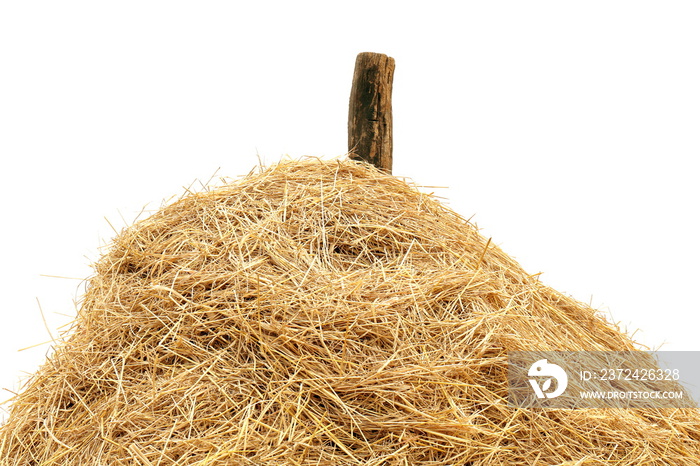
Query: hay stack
pixel 318 313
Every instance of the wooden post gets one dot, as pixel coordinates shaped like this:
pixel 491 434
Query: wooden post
pixel 370 120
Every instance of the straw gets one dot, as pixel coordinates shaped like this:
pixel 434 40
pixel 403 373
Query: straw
pixel 319 313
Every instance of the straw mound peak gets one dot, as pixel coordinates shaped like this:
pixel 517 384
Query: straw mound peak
pixel 318 313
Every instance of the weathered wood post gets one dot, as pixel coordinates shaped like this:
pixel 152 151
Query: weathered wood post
pixel 370 120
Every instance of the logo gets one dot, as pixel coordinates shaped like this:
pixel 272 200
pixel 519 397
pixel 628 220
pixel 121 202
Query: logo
pixel 542 369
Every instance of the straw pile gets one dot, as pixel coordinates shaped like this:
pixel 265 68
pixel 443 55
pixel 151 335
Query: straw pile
pixel 318 313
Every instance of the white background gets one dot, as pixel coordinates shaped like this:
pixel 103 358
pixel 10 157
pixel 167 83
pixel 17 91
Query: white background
pixel 569 130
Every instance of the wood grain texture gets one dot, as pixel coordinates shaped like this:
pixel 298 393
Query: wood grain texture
pixel 370 118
